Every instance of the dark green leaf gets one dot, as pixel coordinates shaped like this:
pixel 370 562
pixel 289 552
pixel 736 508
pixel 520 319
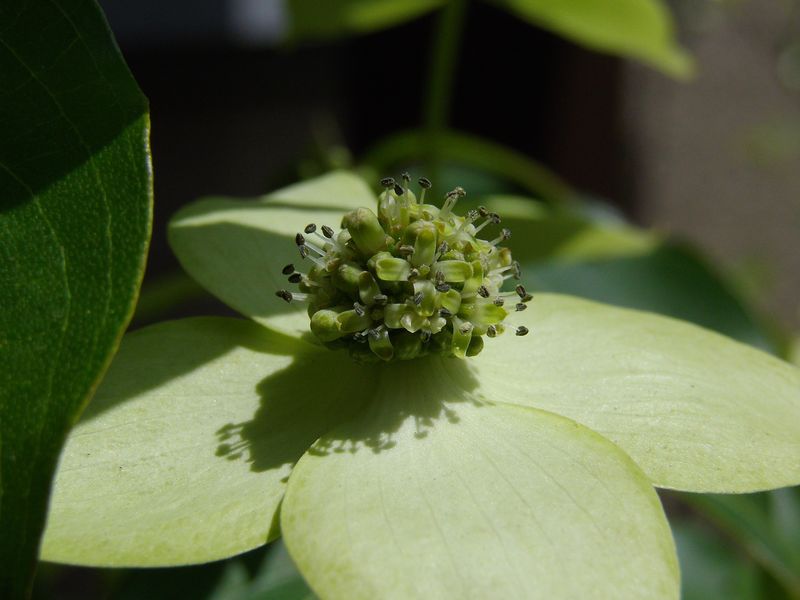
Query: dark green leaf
pixel 75 211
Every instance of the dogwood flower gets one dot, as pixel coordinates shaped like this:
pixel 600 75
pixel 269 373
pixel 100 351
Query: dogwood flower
pixel 433 465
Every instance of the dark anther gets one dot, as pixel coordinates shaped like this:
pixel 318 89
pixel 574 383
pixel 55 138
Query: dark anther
pixel 375 334
pixel 398 190
pixel 413 273
pixel 288 269
pixel 465 328
pixel 499 301
pixel 418 298
pixel 443 247
pixel 425 183
pixel 360 336
pixel 439 276
pixel 482 211
pixel 299 239
pixel 521 330
pixel 284 295
pixel 310 228
pixel 491 331
pixel 443 312
pixel 527 297
pixel 442 287
pixel 405 250
pixel 358 309
pixel 327 231
pixel 520 306
pixel 459 191
pixel 406 177
pixel 472 215
pixel 517 271
pixel 295 278
pixel 387 182
pixel 483 292
pixel 303 251
pixel 521 291
pixel 494 218
pixel 380 299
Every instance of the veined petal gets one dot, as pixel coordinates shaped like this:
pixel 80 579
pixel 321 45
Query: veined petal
pixel 183 454
pixel 236 248
pixel 437 493
pixel 697 411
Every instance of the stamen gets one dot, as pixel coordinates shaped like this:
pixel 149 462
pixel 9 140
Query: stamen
pixel 520 307
pixel 310 228
pixel 406 178
pixel 442 287
pixel 442 248
pixel 443 312
pixel 380 299
pixel 491 331
pixel 492 218
pixel 299 239
pixel 418 298
pixel 521 291
pixel 387 182
pixel 425 184
pixel 291 296
pixel 498 301
pixel 360 310
pixel 505 234
pixel 327 231
pixel 295 278
pixel 521 330
pixel 483 292
pixel 405 250
pixel 288 269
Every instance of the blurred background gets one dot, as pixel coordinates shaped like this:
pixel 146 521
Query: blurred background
pixel 663 146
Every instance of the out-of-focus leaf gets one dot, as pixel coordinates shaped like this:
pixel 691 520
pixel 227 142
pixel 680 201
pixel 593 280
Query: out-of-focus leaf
pixel 639 29
pixel 566 252
pixel 410 147
pixel 322 19
pixel 747 519
pixel 710 568
pixel 75 211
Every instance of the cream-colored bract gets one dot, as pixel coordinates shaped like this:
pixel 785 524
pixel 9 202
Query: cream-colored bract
pixel 524 472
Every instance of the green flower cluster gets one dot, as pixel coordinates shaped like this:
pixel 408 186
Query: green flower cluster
pixel 412 280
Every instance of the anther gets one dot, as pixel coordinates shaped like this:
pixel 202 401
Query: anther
pixel 498 301
pixel 398 190
pixel 521 330
pixel 299 239
pixel 406 177
pixel 482 211
pixel 465 328
pixel 505 234
pixel 387 182
pixel 310 228
pixel 380 299
pixel 295 278
pixel 520 307
pixel 425 183
pixel 359 309
pixel 288 269
pixel 413 273
pixel 442 287
pixel 418 298
pixel 491 331
pixel 521 291
pixel 483 292
pixel 405 250
pixel 443 312
pixel 439 277
pixel 327 231
pixel 303 251
pixel 284 295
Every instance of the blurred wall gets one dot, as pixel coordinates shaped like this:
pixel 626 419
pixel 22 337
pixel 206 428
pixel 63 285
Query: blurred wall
pixel 718 159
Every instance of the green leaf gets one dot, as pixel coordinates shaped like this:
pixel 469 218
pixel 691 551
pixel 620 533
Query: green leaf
pixel 470 151
pixel 311 19
pixel 697 411
pixel 639 29
pixel 748 519
pixel 182 456
pixel 437 492
pixel 710 568
pixel 75 211
pixel 566 252
pixel 236 248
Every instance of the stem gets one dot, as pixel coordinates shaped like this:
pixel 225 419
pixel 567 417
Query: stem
pixel 441 75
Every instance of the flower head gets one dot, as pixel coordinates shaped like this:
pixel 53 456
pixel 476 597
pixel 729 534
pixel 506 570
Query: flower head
pixel 410 281
pixel 525 471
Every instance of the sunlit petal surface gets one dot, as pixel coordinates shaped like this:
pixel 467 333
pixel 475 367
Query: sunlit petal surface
pixel 696 410
pixel 438 493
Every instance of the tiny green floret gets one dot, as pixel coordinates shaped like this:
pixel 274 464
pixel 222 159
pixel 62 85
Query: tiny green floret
pixel 415 279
